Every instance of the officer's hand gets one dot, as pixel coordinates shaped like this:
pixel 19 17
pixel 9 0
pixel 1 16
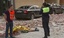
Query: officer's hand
pixel 6 21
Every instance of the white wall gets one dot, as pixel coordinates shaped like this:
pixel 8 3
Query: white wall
pixel 19 3
pixel 53 1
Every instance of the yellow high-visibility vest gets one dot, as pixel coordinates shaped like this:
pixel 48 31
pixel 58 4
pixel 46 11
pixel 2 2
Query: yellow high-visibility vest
pixel 46 9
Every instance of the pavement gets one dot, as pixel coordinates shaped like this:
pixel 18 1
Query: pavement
pixel 56 28
pixel 37 34
pixel 55 32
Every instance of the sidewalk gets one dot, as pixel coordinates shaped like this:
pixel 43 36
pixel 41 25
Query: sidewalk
pixel 56 29
pixel 56 32
pixel 38 34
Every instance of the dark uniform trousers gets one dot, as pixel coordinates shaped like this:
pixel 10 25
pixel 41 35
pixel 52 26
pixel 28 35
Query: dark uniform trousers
pixel 45 22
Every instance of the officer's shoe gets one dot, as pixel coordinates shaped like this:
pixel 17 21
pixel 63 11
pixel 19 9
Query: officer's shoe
pixel 44 37
pixel 48 34
pixel 13 37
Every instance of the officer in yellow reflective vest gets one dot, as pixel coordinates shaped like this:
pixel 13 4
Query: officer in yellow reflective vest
pixel 45 19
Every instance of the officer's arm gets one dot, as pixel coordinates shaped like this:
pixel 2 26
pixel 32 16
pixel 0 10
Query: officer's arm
pixel 5 17
pixel 51 10
pixel 40 11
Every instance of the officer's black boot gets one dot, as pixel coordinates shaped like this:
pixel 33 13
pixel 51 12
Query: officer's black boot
pixel 45 37
pixel 48 35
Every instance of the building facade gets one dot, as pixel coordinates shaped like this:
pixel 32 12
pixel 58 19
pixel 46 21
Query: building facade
pixel 17 3
pixel 60 2
pixel 4 4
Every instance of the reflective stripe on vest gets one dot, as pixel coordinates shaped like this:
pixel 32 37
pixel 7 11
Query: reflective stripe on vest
pixel 12 15
pixel 46 9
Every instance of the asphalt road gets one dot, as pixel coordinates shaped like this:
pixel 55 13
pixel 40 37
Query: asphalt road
pixel 56 27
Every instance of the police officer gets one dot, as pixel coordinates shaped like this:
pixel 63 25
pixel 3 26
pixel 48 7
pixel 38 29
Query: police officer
pixel 45 10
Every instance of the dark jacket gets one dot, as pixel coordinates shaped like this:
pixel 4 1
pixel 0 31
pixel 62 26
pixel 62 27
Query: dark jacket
pixel 8 16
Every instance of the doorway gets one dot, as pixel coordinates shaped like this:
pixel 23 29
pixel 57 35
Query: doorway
pixel 3 6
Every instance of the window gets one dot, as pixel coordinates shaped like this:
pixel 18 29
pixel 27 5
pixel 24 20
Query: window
pixel 24 7
pixel 32 8
pixel 36 8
